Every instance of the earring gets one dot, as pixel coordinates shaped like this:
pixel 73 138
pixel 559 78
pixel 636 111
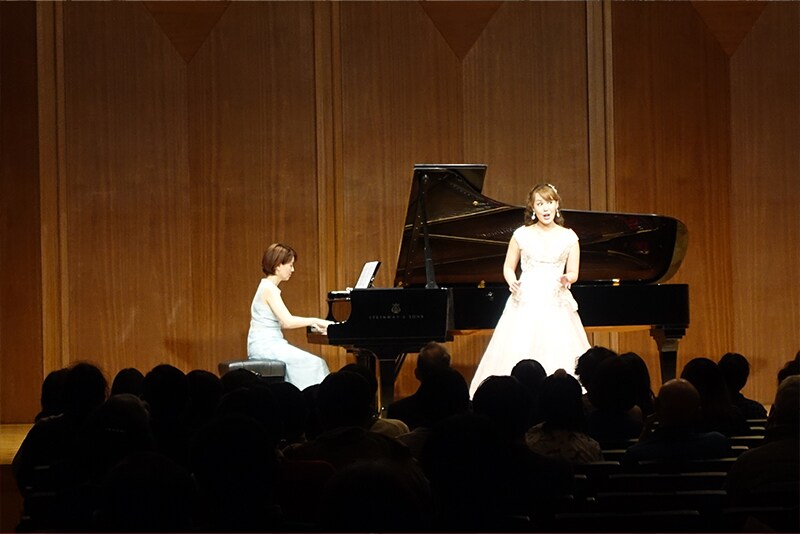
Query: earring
pixel 558 213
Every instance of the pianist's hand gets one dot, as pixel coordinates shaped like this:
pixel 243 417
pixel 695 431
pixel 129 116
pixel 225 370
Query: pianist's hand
pixel 321 326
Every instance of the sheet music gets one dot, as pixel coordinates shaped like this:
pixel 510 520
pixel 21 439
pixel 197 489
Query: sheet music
pixel 367 274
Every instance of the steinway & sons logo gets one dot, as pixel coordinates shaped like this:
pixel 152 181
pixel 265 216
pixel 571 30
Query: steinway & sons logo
pixel 396 312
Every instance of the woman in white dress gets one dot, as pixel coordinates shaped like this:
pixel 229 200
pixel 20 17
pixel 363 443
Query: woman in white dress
pixel 269 315
pixel 540 320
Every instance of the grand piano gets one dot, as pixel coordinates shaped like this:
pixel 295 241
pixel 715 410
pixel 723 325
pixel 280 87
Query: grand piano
pixel 449 275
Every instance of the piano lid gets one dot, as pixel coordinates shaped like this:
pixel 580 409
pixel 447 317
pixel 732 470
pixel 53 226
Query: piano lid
pixel 469 234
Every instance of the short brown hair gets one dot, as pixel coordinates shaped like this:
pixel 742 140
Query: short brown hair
pixel 276 255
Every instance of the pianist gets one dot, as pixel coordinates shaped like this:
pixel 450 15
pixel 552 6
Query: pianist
pixel 269 315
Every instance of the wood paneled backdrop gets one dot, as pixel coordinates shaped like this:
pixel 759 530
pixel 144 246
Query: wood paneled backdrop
pixel 151 151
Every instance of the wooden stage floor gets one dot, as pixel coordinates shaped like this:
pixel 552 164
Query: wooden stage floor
pixel 10 500
pixel 10 438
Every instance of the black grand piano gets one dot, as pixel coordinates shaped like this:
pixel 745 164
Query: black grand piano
pixel 449 275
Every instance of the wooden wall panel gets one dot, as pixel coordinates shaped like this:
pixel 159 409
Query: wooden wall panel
pixel 672 150
pixel 253 170
pixel 765 195
pixel 525 110
pixel 401 105
pixel 127 204
pixel 20 284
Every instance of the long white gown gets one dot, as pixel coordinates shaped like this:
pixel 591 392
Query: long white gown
pixel 542 321
pixel 265 341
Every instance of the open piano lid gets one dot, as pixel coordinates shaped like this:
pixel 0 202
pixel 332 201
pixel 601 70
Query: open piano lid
pixel 469 234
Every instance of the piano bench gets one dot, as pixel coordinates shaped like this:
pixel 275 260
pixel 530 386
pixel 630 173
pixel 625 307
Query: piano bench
pixel 270 370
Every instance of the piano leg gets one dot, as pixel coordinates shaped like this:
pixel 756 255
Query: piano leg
pixel 389 369
pixel 386 371
pixel 667 338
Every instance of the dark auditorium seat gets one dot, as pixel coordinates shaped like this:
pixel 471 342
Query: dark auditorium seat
pixel 665 481
pixel 662 521
pixel 270 370
pixel 749 441
pixel 692 466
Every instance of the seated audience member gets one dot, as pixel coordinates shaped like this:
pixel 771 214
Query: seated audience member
pixel 166 392
pixel 234 462
pixel 531 374
pixel 53 440
pixel 50 458
pixel 292 410
pixel 563 432
pixel 440 396
pixel 258 403
pixel 311 425
pixel 146 492
pixel 466 461
pixel 645 398
pixel 239 378
pixel 792 367
pixel 52 398
pixel 675 438
pixel 585 369
pixel 205 390
pixel 432 358
pixel 345 408
pixel 118 428
pixel 373 496
pixel 770 473
pixel 128 380
pixel 615 419
pixel 503 400
pixel 718 412
pixel 735 370
pixel 387 426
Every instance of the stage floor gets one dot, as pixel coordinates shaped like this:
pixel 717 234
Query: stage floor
pixel 11 437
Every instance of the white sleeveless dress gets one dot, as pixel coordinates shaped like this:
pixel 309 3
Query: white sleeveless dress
pixel 542 321
pixel 265 341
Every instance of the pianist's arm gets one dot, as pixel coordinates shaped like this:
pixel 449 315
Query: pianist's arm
pixel 273 297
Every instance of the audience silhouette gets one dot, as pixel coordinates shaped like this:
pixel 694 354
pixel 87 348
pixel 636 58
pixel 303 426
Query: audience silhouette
pixel 440 396
pixel 432 359
pixel 792 367
pixel 52 398
pixel 175 452
pixel 128 380
pixel 535 482
pixel 613 394
pixel 531 374
pixel 769 475
pixel 586 369
pixel 735 370
pixel 563 432
pixel 675 437
pixel 718 412
pixel 640 375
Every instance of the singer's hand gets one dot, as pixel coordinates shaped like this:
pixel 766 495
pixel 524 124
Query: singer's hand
pixel 565 281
